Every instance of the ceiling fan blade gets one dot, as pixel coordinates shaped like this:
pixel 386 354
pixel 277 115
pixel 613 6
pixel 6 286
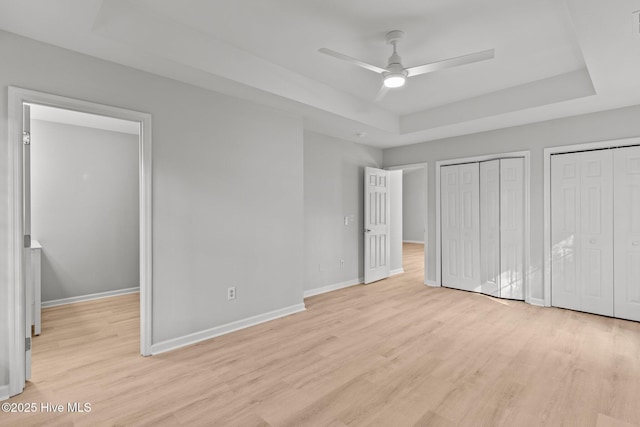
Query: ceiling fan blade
pixel 452 62
pixel 354 61
pixel 381 93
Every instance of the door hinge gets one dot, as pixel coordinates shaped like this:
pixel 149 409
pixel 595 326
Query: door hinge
pixel 27 240
pixel 26 138
pixel 27 343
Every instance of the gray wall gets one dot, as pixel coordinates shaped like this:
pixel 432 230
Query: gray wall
pixel 84 208
pixel 607 125
pixel 333 189
pixel 227 188
pixel 413 197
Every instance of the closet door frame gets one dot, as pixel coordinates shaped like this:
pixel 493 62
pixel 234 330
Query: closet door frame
pixel 527 215
pixel 564 149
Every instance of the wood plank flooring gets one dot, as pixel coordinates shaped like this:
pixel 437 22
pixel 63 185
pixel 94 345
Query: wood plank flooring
pixel 392 353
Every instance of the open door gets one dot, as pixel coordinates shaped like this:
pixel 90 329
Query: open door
pixel 26 222
pixel 377 246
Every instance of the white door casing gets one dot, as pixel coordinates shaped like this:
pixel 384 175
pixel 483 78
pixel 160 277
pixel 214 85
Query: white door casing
pixel 626 193
pixel 582 231
pixel 26 225
pixel 490 227
pixel 511 228
pixel 377 247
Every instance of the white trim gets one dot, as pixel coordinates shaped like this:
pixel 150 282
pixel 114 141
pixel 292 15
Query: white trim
pixel 89 297
pixel 413 241
pixel 425 220
pixel 536 301
pixel 431 283
pixel 547 196
pixel 527 211
pixel 196 337
pixel 396 271
pixel 333 287
pixel 4 392
pixel 16 306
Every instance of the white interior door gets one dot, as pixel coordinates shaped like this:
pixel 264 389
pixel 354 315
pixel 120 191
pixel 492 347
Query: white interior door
pixel 377 247
pixel 490 227
pixel 470 226
pixel 565 225
pixel 626 166
pixel 26 222
pixel 512 228
pixel 596 200
pixel 450 226
pixel 582 231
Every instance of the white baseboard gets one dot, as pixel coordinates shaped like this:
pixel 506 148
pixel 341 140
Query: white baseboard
pixel 4 392
pixel 431 283
pixel 196 337
pixel 536 301
pixel 420 242
pixel 396 271
pixel 334 287
pixel 89 297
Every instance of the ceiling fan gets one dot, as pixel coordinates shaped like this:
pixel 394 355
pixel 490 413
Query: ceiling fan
pixel 395 75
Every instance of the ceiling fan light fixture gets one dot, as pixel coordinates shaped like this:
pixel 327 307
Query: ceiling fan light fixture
pixel 394 80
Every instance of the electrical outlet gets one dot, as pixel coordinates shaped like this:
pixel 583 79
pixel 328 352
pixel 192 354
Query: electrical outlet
pixel 231 293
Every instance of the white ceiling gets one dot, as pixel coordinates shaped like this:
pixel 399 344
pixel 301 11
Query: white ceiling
pixel 554 58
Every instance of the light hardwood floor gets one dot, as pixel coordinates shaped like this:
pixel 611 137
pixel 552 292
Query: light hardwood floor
pixel 392 353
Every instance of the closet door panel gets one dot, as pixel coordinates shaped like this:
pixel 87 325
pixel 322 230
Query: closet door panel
pixel 469 178
pixel 450 226
pixel 512 228
pixel 596 211
pixel 490 227
pixel 627 232
pixel 565 228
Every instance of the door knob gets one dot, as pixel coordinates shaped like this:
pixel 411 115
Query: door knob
pixel 636 243
pixel 368 230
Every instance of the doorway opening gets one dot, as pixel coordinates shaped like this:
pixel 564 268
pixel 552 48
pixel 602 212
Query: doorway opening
pixel 409 213
pixel 80 211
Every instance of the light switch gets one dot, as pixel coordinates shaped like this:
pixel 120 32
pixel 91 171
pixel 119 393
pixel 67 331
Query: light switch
pixel 346 220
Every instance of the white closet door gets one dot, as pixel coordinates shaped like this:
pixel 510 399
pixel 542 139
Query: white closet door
pixel 565 226
pixel 450 227
pixel 490 227
pixel 627 233
pixel 470 226
pixel 582 231
pixel 596 211
pixel 512 228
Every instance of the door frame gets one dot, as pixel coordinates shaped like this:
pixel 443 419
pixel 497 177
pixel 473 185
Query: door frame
pixel 564 149
pixel 425 219
pixel 527 212
pixel 17 286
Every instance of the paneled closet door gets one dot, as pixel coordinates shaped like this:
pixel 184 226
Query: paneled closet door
pixel 450 225
pixel 596 210
pixel 490 227
pixel 582 231
pixel 627 232
pixel 470 226
pixel 565 228
pixel 512 228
